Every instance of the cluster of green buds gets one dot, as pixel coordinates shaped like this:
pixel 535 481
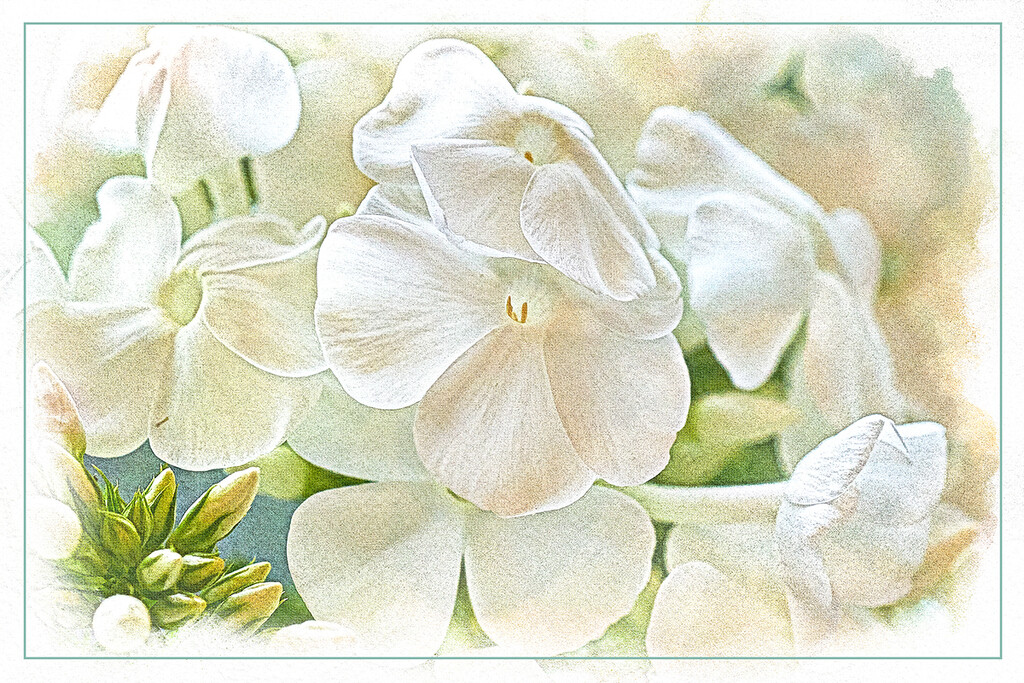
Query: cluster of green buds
pixel 135 548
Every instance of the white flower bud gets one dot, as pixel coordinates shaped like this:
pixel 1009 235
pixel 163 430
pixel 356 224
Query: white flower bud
pixel 121 623
pixel 853 525
pixel 53 528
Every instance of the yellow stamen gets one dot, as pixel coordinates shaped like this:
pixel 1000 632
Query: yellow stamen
pixel 521 318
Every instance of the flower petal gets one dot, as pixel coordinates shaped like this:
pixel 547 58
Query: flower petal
pixel 478 187
pixel 701 612
pixel 245 241
pixel 750 272
pixel 442 89
pixel 573 227
pixel 846 361
pixel 683 156
pixel 649 316
pixel 216 409
pixel 857 249
pixel 110 359
pixel 45 278
pixel 397 305
pixel 621 400
pixel 382 560
pixel 403 202
pixel 127 254
pixel 489 430
pixel 342 435
pixel 265 314
pixel 232 94
pixel 550 583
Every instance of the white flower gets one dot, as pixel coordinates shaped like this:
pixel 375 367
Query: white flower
pixel 530 385
pixel 205 349
pixel 760 257
pixel 505 174
pixel 383 559
pixel 198 97
pixel 853 526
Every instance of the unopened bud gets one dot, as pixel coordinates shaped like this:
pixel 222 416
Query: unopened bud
pixel 159 570
pixel 121 623
pixel 236 581
pixel 198 572
pixel 216 513
pixel 162 497
pixel 53 528
pixel 247 609
pixel 119 536
pixel 54 415
pixel 57 474
pixel 139 515
pixel 177 609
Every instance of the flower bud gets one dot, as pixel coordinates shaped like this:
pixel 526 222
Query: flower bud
pixel 162 497
pixel 159 570
pixel 247 609
pixel 236 581
pixel 120 538
pixel 177 609
pixel 198 572
pixel 138 513
pixel 216 513
pixel 853 525
pixel 54 416
pixel 53 529
pixel 58 475
pixel 121 623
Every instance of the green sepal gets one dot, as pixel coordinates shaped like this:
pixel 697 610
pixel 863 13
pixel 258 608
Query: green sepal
pixel 162 497
pixel 237 580
pixel 138 513
pixel 112 500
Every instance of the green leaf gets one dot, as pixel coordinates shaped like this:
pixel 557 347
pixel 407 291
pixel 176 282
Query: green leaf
pixel 286 475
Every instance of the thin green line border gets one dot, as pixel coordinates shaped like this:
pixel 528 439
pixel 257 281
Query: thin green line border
pixel 25 294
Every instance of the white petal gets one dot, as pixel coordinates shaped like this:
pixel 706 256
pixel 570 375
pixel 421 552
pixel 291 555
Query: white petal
pixel 442 89
pixel 649 316
pixel 245 241
pixel 53 529
pixel 802 567
pixel 265 314
pixel 232 94
pixel 701 612
pixel 573 227
pixel 342 435
pixel 829 470
pixel 217 410
pixel 549 583
pixel 489 430
pixel 110 358
pixel 382 560
pixel 847 365
pixel 478 187
pixel 397 305
pixel 928 452
pixel 45 278
pixel 403 202
pixel 683 156
pixel 622 401
pixel 857 249
pixel 750 273
pixel 116 125
pixel 127 254
pixel 558 112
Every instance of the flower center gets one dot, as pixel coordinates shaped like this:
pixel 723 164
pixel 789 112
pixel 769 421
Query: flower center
pixel 536 141
pixel 180 296
pixel 532 291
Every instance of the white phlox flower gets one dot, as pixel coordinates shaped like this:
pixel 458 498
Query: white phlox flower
pixel 505 174
pixel 383 560
pixel 207 349
pixel 760 254
pixel 533 376
pixel 197 97
pixel 854 522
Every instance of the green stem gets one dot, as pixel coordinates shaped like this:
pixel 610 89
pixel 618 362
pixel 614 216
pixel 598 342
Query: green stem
pixel 709 504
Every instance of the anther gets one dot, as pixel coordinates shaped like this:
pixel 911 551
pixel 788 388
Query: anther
pixel 521 318
pixel 529 157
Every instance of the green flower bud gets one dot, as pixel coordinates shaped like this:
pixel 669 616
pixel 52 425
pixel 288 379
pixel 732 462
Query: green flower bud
pixel 139 515
pixel 247 609
pixel 198 572
pixel 216 513
pixel 119 536
pixel 236 581
pixel 177 609
pixel 159 570
pixel 162 497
